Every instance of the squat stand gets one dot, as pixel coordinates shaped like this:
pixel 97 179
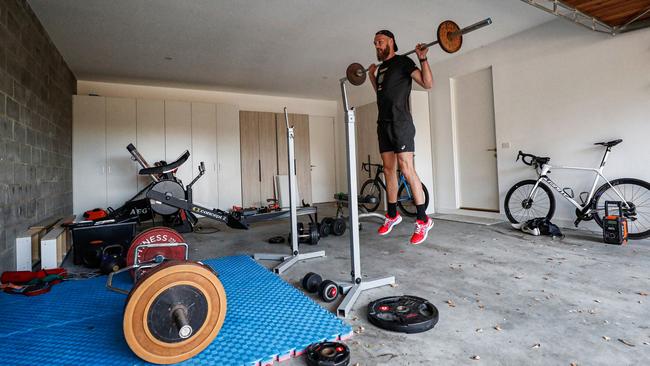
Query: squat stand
pixel 353 289
pixel 290 260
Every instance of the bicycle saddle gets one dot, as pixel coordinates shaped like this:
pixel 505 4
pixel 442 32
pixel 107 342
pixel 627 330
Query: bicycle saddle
pixel 167 167
pixel 610 143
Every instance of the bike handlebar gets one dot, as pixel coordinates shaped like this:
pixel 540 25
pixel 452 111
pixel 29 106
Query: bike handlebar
pixel 366 166
pixel 532 159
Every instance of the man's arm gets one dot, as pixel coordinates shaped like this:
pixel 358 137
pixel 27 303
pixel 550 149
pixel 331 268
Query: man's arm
pixel 423 77
pixel 371 75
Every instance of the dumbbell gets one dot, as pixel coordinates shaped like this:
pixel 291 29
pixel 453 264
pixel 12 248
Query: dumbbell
pixel 327 290
pixel 311 237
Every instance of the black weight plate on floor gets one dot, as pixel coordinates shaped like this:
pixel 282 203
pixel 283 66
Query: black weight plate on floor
pixel 328 221
pixel 328 354
pixel 338 227
pixel 276 240
pixel 311 282
pixel 405 314
pixel 324 230
pixel 328 290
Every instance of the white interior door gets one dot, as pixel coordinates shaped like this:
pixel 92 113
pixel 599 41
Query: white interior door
pixel 121 182
pixel 475 141
pixel 178 136
pixel 204 140
pixel 89 153
pixel 323 167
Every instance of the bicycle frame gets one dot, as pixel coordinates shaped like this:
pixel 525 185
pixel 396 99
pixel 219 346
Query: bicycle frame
pixel 546 169
pixel 400 180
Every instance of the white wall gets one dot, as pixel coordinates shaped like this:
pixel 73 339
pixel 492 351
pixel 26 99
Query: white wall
pixel 558 88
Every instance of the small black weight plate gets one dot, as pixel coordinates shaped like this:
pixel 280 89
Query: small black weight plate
pixel 405 314
pixel 314 235
pixel 328 221
pixel 328 354
pixel 311 282
pixel 328 291
pixel 276 240
pixel 339 226
pixel 324 230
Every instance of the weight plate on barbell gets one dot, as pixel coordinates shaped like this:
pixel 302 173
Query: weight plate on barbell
pixel 155 235
pixel 449 37
pixel 356 74
pixel 197 284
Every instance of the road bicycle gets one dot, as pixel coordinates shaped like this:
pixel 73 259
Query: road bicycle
pixel 530 198
pixel 373 187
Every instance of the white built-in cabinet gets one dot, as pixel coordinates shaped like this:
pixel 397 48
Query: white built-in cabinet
pixel 103 173
pixel 88 153
pixel 150 133
pixel 121 171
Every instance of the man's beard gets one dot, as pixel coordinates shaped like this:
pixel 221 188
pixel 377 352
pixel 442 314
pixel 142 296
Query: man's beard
pixel 383 54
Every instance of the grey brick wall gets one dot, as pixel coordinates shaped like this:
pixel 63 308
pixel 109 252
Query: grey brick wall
pixel 36 88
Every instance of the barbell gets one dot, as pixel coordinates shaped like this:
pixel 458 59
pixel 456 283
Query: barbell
pixel 449 38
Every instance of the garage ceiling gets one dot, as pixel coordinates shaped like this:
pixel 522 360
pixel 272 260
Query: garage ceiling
pixel 282 47
pixel 607 16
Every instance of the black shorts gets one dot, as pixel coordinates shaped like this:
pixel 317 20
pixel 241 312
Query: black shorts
pixel 397 137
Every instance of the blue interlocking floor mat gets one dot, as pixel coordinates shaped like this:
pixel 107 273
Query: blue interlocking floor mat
pixel 80 322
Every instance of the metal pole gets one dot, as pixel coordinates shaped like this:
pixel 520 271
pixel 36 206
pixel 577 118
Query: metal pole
pixel 292 185
pixel 352 187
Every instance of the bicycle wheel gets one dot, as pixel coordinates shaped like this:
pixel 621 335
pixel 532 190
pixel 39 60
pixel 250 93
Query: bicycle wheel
pixel 520 209
pixel 405 199
pixel 371 188
pixel 636 193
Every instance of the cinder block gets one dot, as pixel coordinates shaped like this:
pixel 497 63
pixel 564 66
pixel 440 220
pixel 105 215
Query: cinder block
pixel 13 109
pixel 6 128
pixel 20 174
pixel 13 151
pixel 19 133
pixel 25 154
pixel 5 83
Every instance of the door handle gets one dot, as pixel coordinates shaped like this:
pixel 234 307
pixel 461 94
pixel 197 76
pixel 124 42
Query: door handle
pixel 493 149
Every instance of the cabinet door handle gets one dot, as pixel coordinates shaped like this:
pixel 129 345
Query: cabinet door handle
pixel 259 170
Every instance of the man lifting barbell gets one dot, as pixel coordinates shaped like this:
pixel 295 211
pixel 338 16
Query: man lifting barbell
pixel 395 128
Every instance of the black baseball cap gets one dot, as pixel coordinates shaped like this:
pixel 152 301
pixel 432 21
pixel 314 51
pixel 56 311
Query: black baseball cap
pixel 388 34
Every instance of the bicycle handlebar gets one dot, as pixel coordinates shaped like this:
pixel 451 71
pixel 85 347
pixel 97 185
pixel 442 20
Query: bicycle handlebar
pixel 532 159
pixel 366 166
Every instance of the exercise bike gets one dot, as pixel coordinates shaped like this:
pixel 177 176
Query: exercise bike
pixel 168 196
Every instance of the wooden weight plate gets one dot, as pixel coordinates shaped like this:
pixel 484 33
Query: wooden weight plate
pixel 356 74
pixel 449 43
pixel 144 305
pixel 156 235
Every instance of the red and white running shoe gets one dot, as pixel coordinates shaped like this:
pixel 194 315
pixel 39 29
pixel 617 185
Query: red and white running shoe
pixel 388 224
pixel 421 230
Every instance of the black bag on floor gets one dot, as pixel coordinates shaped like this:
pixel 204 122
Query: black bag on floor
pixel 541 226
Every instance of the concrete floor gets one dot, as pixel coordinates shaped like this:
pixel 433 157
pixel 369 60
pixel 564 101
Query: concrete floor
pixel 504 296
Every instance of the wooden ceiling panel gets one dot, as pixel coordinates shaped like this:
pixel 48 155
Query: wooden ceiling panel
pixel 614 13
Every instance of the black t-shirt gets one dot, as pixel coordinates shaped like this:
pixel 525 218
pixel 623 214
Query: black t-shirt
pixel 394 89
